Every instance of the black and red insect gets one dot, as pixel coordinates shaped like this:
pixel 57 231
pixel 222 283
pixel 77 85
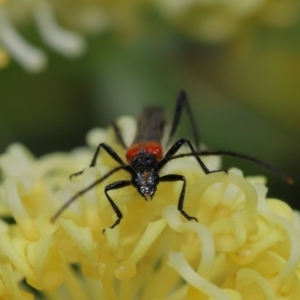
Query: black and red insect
pixel 145 158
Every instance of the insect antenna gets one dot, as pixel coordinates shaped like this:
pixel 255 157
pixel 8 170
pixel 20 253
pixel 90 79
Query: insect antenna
pixel 119 135
pixel 81 192
pixel 261 163
pixel 182 101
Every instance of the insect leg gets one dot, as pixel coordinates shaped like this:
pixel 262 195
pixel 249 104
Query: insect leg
pixel 183 101
pixel 172 151
pixel 114 186
pixel 80 193
pixel 109 150
pixel 175 177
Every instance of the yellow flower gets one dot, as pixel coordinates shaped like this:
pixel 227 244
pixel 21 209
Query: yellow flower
pixel 217 21
pixel 245 246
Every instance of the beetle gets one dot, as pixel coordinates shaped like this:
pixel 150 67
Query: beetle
pixel 145 158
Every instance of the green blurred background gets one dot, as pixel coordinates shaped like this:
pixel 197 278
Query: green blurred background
pixel 244 90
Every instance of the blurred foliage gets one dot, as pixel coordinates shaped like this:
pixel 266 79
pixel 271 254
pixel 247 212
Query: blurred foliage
pixel 244 91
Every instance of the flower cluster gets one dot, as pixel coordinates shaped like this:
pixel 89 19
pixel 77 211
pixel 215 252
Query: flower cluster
pixel 31 58
pixel 212 21
pixel 216 21
pixel 244 246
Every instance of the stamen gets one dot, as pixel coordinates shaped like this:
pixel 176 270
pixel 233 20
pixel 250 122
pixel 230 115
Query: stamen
pixel 171 214
pixel 28 228
pixel 9 279
pixel 73 284
pixel 249 277
pixel 82 237
pixel 179 263
pixel 294 237
pixel 14 255
pixel 246 213
pixel 63 41
pixel 128 268
pixel 31 58
pixel 90 204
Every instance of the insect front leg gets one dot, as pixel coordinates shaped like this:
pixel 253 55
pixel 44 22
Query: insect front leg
pixel 173 150
pixel 108 150
pixel 175 177
pixel 114 186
